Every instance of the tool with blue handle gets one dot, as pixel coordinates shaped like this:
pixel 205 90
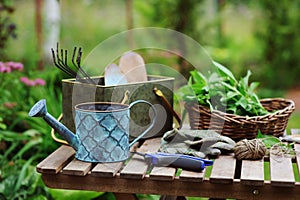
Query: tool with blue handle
pixel 182 161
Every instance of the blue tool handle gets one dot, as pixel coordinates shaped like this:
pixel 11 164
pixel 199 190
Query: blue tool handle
pixel 176 161
pixel 206 161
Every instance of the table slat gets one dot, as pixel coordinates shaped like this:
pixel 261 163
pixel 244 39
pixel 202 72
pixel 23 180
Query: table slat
pixel 106 169
pixel 297 148
pixel 223 170
pixel 137 167
pixel 252 172
pixel 56 160
pixel 191 176
pixel 109 169
pixel 281 171
pixel 77 168
pixel 295 131
pixel 162 173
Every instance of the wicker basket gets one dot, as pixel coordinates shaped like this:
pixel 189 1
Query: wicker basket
pixel 242 127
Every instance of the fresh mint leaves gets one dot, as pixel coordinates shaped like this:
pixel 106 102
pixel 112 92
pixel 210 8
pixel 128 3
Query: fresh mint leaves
pixel 220 90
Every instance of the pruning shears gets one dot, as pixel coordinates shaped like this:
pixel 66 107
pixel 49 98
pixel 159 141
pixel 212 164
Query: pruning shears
pixel 182 161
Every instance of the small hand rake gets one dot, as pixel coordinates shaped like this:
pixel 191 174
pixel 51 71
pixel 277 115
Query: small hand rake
pixel 60 60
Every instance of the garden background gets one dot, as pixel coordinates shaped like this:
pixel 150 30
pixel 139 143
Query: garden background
pixel 262 36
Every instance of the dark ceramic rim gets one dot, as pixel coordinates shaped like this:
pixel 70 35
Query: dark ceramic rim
pixel 123 107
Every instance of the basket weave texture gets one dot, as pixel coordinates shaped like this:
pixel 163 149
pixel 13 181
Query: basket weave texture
pixel 243 127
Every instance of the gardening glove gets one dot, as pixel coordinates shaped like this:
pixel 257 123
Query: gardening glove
pixel 199 143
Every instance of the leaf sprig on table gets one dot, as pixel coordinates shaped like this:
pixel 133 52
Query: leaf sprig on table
pixel 220 90
pixel 275 146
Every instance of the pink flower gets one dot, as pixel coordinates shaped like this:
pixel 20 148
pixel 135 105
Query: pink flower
pixel 39 81
pixel 8 70
pixel 26 81
pixel 15 65
pixel 19 66
pixel 2 67
pixel 10 66
pixel 35 82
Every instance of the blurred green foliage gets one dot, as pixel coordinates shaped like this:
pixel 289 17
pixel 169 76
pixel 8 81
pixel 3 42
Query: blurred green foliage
pixel 281 43
pixel 7 27
pixel 256 35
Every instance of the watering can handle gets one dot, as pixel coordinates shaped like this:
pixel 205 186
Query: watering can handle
pixel 54 136
pixel 152 122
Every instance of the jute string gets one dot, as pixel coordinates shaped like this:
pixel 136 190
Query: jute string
pixel 249 149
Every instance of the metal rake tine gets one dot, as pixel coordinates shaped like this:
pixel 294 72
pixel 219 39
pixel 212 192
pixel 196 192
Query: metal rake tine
pixel 55 63
pixel 58 58
pixel 73 56
pixel 78 65
pixel 78 60
pixel 73 61
pixel 66 57
pixel 64 64
pixel 59 66
pixel 57 55
pixel 61 59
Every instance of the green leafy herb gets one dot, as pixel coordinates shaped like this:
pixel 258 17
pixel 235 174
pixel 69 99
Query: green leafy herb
pixel 276 146
pixel 222 91
pixel 268 140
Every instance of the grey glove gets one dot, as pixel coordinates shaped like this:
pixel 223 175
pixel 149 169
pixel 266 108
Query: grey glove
pixel 199 143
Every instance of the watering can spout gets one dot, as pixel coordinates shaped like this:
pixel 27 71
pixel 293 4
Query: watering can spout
pixel 40 110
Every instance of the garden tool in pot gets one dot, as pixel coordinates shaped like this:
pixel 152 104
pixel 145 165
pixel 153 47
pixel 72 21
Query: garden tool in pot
pixel 160 94
pixel 199 143
pixel 60 59
pixel 131 69
pixel 185 162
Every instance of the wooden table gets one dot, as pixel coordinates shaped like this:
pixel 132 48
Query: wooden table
pixel 227 178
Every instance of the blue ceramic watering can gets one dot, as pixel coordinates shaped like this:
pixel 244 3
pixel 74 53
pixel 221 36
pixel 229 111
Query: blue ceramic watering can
pixel 102 129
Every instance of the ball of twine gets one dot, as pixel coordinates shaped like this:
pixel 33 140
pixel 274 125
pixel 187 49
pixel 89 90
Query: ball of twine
pixel 249 149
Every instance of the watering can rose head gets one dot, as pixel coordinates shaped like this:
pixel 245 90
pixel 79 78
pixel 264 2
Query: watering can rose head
pixel 39 109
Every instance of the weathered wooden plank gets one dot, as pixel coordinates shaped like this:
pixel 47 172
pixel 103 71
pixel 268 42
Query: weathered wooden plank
pixel 295 131
pixel 162 173
pixel 77 168
pixel 223 170
pixel 281 171
pixel 297 148
pixel 106 169
pixel 56 160
pixel 252 172
pixel 109 169
pixel 236 190
pixel 191 176
pixel 137 167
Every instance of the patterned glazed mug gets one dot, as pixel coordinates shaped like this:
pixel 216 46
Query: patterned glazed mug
pixel 102 129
